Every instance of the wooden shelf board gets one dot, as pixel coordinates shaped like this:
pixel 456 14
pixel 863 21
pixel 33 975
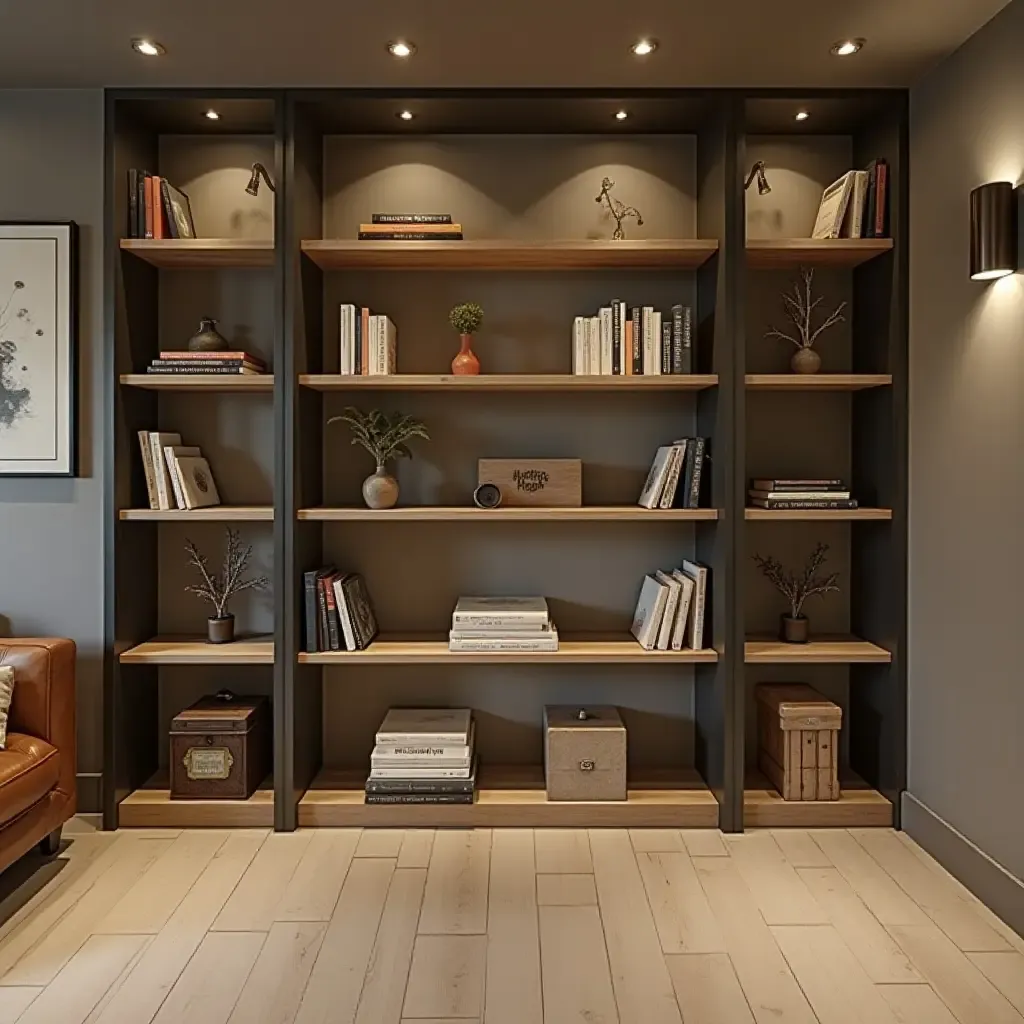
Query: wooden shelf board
pixel 592 513
pixel 790 253
pixel 152 807
pixel 858 806
pixel 817 381
pixel 501 254
pixel 432 649
pixel 825 650
pixel 841 514
pixel 199 382
pixel 515 797
pixel 181 650
pixel 201 253
pixel 216 514
pixel 507 382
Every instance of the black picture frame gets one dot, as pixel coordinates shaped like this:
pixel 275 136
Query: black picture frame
pixel 178 210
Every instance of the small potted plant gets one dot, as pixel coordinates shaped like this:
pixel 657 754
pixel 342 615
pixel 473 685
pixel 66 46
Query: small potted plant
pixel 466 319
pixel 797 588
pixel 219 590
pixel 800 310
pixel 385 438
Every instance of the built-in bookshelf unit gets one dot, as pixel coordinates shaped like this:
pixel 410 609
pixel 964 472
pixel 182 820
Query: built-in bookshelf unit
pixel 520 171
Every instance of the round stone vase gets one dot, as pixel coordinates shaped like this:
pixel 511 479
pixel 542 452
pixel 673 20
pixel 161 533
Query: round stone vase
pixel 380 490
pixel 207 338
pixel 465 364
pixel 805 360
pixel 795 631
pixel 220 629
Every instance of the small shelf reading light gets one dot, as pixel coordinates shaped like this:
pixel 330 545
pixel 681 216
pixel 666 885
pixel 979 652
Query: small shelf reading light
pixel 258 171
pixel 993 231
pixel 763 188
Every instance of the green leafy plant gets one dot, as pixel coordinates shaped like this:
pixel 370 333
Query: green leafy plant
pixel 467 317
pixel 797 588
pixel 384 437
pixel 218 589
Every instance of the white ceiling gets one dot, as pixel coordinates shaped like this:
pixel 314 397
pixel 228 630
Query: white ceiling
pixel 572 43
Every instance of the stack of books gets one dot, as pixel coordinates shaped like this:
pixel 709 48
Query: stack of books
pixel 411 227
pixel 423 756
pixel 177 475
pixel 369 342
pixel 800 494
pixel 676 475
pixel 499 624
pixel 671 610
pixel 199 363
pixel 633 341
pixel 156 209
pixel 855 205
pixel 339 615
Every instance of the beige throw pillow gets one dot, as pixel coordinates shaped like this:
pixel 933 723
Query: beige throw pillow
pixel 6 692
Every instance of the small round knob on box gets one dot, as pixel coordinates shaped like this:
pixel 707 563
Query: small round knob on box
pixel 582 715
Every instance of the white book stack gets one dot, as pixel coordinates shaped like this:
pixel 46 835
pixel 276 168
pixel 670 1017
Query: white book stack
pixel 671 610
pixel 177 475
pixel 502 624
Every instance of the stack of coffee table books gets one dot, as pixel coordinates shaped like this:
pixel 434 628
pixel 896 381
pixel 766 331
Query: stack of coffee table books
pixel 423 756
pixel 502 624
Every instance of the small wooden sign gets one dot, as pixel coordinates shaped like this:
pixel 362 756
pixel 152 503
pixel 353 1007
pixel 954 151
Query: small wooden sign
pixel 535 482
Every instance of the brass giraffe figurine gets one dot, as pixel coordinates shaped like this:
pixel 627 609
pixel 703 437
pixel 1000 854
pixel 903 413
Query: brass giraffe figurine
pixel 618 209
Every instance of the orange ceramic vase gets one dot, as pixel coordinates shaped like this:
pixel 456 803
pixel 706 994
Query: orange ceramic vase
pixel 465 364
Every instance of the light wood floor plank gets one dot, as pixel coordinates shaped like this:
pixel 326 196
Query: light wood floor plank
pixel 140 996
pixel 577 980
pixel 916 1004
pixel 113 989
pixel 384 988
pixel 883 897
pixel 1006 972
pixel 643 988
pixel 336 981
pixel 704 842
pixel 210 985
pixel 800 849
pixel 833 981
pixel 416 847
pixel 870 943
pixel 941 902
pixel 682 915
pixel 84 980
pixel 563 850
pixel 273 991
pixel 774 883
pixel 447 976
pixel 513 983
pixel 971 997
pixel 313 891
pixel 147 906
pixel 708 990
pixel 566 891
pixel 254 902
pixel 656 840
pixel 380 842
pixel 771 990
pixel 15 1001
pixel 455 901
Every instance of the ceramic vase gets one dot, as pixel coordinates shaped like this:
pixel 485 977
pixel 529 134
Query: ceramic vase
pixel 208 338
pixel 795 630
pixel 220 629
pixel 380 490
pixel 465 364
pixel 805 360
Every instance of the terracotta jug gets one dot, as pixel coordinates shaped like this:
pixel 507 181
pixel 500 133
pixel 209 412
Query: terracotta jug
pixel 465 364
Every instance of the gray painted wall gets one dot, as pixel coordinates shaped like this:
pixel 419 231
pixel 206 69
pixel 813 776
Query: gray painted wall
pixel 966 437
pixel 51 531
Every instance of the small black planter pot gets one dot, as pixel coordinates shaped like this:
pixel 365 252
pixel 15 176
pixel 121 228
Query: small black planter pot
pixel 795 631
pixel 221 631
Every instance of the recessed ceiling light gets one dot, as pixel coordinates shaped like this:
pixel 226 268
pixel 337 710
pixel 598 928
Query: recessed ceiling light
pixel 802 115
pixel 148 48
pixel 401 48
pixel 643 47
pixel 405 115
pixel 846 47
pixel 621 115
pixel 212 115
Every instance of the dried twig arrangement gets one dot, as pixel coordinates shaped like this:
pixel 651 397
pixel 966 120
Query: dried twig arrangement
pixel 218 590
pixel 384 437
pixel 796 588
pixel 800 310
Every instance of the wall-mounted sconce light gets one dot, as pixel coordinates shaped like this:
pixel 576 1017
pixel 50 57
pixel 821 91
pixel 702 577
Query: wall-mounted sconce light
pixel 258 171
pixel 993 231
pixel 763 188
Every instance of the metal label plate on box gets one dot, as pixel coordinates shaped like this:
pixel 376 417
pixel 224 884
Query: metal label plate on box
pixel 208 763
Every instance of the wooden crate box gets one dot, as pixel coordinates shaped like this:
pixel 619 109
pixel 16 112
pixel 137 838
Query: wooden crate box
pixel 798 741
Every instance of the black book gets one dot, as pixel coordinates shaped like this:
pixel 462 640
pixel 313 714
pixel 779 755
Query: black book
pixel 686 476
pixel 334 638
pixel 698 448
pixel 767 484
pixel 617 330
pixel 419 798
pixel 636 314
pixel 686 361
pixel 411 236
pixel 358 340
pixel 871 206
pixel 310 588
pixel 666 347
pixel 360 610
pixel 808 503
pixel 141 202
pixel 411 218
pixel 133 203
pixel 323 634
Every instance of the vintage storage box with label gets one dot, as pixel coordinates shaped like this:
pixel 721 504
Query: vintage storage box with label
pixel 584 753
pixel 798 741
pixel 221 748
pixel 541 483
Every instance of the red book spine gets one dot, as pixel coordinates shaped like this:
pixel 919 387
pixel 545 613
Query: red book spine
pixel 149 206
pixel 883 175
pixel 158 210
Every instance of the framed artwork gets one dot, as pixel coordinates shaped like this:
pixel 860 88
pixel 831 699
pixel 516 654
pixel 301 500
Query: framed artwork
pixel 38 348
pixel 179 212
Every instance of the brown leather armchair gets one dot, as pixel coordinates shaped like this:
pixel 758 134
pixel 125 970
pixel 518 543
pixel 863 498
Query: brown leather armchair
pixel 37 769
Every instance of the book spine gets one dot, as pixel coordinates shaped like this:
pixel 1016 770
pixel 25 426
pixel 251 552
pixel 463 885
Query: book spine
pixel 430 230
pixel 668 495
pixel 372 368
pixel 606 340
pixel 693 498
pixel 411 786
pixel 357 342
pixel 880 203
pixel 187 370
pixel 321 598
pixel 133 203
pixel 419 798
pixel 636 315
pixel 781 504
pixel 160 473
pixel 147 468
pixel 691 462
pixel 309 594
pixel 344 341
pixel 364 342
pixel 807 495
pixel 616 338
pixel 148 191
pixel 436 739
pixel 411 236
pixel 183 363
pixel 700 595
pixel 427 751
pixel 410 767
pixel 158 207
pixel 666 347
pixel 411 218
pixel 172 471
pixel 382 344
pixel 577 346
pixel 511 620
pixel 499 646
pixel 869 215
pixel 141 204
pixel 391 360
pixel 799 485
pixel 650 366
pixel 333 623
pixel 247 357
pixel 688 360
pixel 167 213
pixel 676 356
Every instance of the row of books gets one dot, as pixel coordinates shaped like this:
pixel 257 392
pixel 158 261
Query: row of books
pixel 676 475
pixel 177 475
pixel 200 363
pixel 411 227
pixel 156 209
pixel 855 205
pixel 423 756
pixel 671 609
pixel 636 341
pixel 502 624
pixel 368 342
pixel 338 611
pixel 800 494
